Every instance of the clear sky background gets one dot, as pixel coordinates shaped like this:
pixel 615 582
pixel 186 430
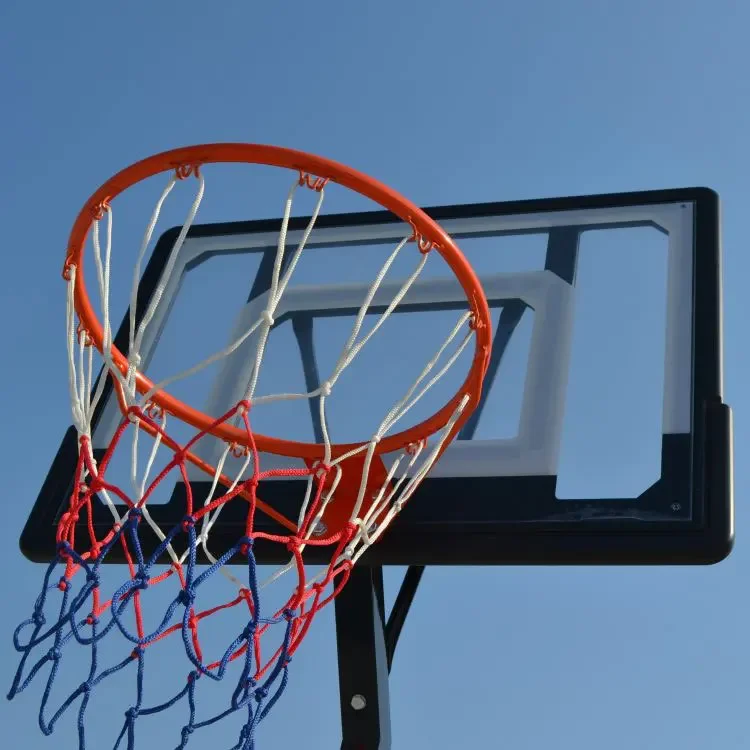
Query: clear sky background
pixel 447 102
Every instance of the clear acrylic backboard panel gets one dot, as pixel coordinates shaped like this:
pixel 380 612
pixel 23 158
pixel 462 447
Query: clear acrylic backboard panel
pixel 601 436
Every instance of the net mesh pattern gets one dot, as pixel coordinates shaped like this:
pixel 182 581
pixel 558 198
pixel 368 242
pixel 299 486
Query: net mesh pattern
pixel 75 608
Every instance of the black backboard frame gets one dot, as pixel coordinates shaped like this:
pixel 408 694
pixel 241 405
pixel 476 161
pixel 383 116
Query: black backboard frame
pixel 696 467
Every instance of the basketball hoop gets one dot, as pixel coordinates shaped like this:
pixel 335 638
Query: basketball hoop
pixel 351 497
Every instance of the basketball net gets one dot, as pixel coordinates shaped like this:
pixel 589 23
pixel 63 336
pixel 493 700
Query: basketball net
pixel 350 498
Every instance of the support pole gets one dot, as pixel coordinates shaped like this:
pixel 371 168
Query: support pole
pixel 363 662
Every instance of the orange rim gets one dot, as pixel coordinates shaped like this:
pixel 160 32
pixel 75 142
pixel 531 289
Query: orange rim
pixel 315 171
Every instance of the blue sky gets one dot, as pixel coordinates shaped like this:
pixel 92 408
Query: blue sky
pixel 447 103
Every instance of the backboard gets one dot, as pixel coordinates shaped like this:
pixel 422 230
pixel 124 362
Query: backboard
pixel 601 437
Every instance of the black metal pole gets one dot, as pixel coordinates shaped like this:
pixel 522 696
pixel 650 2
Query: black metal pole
pixel 363 662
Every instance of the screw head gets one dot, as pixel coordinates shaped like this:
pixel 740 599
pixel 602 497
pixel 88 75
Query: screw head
pixel 675 507
pixel 358 702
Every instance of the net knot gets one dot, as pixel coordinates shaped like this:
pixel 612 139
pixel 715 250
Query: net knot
pixel 68 267
pixel 288 614
pixel 92 577
pixel 186 731
pixel 134 515
pixel 141 581
pixel 38 619
pixel 267 317
pixel 375 439
pixel 364 531
pixel 186 597
pixel 246 544
pixel 413 448
pixel 154 411
pixel 95 485
pixel 475 323
pixel 314 183
pixel 183 171
pixel 239 451
pixel 99 209
pixel 293 543
pixel 424 244
pixel 92 619
pixel 70 516
pixel 325 389
pixel 252 483
pixel 188 522
pixel 54 654
pixel 243 407
pixel 261 693
pixel 321 469
pixel 84 337
pixel 135 360
pixel 134 413
pixel 63 584
pixel 179 457
pixel 132 713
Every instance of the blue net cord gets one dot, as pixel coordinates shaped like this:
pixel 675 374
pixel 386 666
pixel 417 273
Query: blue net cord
pixel 83 621
pixel 77 622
